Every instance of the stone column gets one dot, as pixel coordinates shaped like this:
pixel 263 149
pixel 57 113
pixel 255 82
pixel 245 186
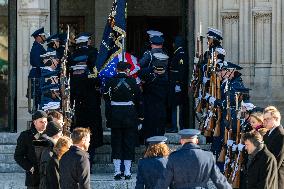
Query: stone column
pixel 31 15
pixel 54 16
pixel 245 40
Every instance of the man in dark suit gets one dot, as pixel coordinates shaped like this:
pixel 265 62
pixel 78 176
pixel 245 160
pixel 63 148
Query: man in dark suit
pixel 74 166
pixel 26 154
pixel 274 139
pixel 191 167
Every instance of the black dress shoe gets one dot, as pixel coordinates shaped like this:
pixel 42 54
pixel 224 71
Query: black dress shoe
pixel 171 130
pixel 117 177
pixel 127 177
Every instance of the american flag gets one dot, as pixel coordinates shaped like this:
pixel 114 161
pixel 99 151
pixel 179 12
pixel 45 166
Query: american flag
pixel 109 70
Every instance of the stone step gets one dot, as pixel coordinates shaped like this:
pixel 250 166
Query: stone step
pixel 98 181
pixel 96 168
pixel 7 158
pixel 11 138
pixel 7 148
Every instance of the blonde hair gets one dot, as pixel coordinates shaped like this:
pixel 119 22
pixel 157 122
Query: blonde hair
pixel 273 111
pixel 63 144
pixel 258 116
pixel 155 150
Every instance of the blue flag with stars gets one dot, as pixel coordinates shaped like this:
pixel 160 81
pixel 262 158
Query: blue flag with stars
pixel 115 31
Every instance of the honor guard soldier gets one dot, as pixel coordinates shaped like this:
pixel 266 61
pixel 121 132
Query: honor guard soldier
pixel 53 44
pixel 49 82
pixel 178 77
pixel 147 44
pixel 36 64
pixel 231 80
pixel 152 166
pixel 191 167
pixel 155 96
pixel 156 42
pixel 85 90
pixel 124 96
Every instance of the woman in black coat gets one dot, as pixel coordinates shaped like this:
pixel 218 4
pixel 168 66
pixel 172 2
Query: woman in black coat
pixel 52 170
pixel 152 166
pixel 260 168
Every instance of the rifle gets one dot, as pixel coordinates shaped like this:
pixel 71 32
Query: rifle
pixel 212 92
pixel 67 111
pixel 217 130
pixel 223 153
pixel 229 154
pixel 235 176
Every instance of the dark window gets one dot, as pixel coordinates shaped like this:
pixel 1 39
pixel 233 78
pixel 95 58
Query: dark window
pixel 7 64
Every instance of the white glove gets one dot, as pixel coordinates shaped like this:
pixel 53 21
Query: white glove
pixel 177 89
pixel 230 143
pixel 139 127
pixel 240 147
pixel 212 100
pixel 207 95
pixel 205 79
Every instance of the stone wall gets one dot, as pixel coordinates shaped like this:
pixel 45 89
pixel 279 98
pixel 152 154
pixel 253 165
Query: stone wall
pixel 31 15
pixel 253 39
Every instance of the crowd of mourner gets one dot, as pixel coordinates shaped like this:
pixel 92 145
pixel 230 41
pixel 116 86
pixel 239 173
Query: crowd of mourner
pixel 145 98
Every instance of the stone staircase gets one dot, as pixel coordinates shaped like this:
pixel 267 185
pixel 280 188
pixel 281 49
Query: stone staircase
pixel 12 176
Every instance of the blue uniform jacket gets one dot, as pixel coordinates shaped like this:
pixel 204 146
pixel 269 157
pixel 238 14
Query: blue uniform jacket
pixel 149 171
pixel 36 60
pixel 191 168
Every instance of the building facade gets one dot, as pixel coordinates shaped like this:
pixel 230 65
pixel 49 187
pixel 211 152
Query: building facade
pixel 252 32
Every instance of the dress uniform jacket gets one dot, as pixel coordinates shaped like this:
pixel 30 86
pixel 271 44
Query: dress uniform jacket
pixel 86 93
pixel 150 171
pixel 147 57
pixel 275 144
pixel 74 169
pixel 155 98
pixel 25 156
pixel 127 115
pixel 178 73
pixel 261 172
pixel 36 60
pixel 191 168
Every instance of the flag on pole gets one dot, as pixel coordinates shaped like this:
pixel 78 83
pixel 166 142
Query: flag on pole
pixel 115 31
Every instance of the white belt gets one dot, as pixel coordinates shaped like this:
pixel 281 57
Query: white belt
pixel 129 103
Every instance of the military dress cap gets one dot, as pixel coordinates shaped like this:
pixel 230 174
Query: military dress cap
pixel 82 58
pixel 157 140
pixel 52 38
pixel 49 54
pixel 157 40
pixel 242 89
pixel 214 33
pixel 38 32
pixel 247 105
pixel 161 56
pixel 153 33
pixel 39 114
pixel 189 133
pixel 220 50
pixel 229 65
pixel 123 65
pixel 84 34
pixel 52 128
pixel 179 41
